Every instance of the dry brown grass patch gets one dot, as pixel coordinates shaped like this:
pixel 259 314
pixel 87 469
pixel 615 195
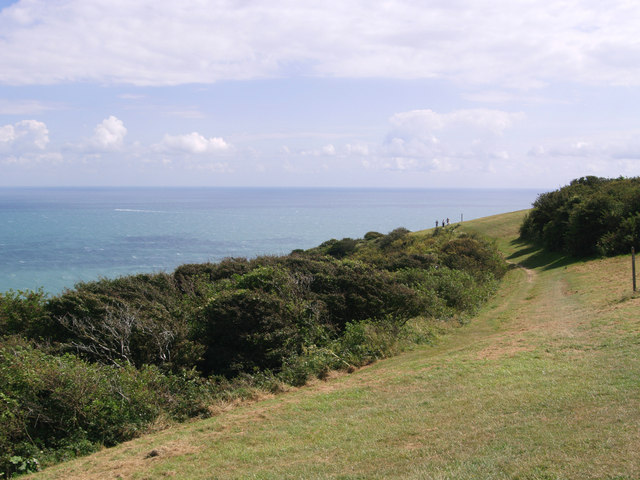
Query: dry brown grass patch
pixel 508 348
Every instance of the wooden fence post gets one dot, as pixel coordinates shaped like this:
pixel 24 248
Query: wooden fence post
pixel 633 267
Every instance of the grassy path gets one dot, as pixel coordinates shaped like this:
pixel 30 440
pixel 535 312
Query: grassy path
pixel 543 384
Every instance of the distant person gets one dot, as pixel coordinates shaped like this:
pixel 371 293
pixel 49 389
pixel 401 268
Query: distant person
pixel 436 223
pixel 447 221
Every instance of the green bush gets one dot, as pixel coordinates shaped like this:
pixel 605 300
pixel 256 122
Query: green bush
pixel 24 313
pixel 623 238
pixel 138 320
pixel 590 215
pixel 393 238
pixel 359 344
pixel 341 248
pixel 472 255
pixel 369 236
pixel 244 330
pixel 190 278
pixel 99 363
pixel 55 406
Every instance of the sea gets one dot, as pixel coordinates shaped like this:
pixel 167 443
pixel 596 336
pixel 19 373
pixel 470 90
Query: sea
pixel 53 238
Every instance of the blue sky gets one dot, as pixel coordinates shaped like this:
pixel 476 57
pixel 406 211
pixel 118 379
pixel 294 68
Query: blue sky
pixel 399 93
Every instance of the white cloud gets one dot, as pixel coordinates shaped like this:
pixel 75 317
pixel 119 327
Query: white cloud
pixel 606 147
pixel 329 150
pixel 431 141
pixel 32 158
pixel 34 132
pixel 161 42
pixel 25 135
pixel 421 122
pixel 109 134
pixel 193 143
pixel 7 134
pixel 357 149
pixel 576 148
pixel 607 154
pixel 22 107
pixel 472 140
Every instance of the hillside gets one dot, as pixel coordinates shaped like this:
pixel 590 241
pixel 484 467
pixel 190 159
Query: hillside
pixel 543 383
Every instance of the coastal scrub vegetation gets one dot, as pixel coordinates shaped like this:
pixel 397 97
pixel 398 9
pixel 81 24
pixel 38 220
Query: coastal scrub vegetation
pixel 108 360
pixel 590 216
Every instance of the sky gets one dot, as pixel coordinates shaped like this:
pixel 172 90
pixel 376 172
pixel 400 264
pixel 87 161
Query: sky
pixel 339 93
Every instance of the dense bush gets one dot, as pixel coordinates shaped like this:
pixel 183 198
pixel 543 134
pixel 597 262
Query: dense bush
pixel 138 320
pixel 194 279
pixel 245 330
pixel 589 216
pixel 54 407
pixel 99 363
pixel 24 313
pixel 274 311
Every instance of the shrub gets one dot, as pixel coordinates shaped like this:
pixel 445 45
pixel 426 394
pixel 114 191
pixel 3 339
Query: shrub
pixel 392 237
pixel 590 215
pixel 470 254
pixel 190 277
pixel 369 236
pixel 367 341
pixel 98 363
pixel 53 407
pixel 139 319
pixel 24 312
pixel 623 238
pixel 244 330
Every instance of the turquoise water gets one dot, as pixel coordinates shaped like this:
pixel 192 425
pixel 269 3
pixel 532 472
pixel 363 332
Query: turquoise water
pixel 56 237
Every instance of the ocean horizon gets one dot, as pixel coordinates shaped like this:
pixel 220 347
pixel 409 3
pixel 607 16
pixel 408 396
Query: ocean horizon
pixel 55 237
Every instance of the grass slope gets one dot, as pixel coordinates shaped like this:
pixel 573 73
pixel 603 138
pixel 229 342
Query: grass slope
pixel 543 384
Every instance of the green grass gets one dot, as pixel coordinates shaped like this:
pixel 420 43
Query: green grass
pixel 543 384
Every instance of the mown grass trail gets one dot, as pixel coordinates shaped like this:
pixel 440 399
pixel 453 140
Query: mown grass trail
pixel 543 384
